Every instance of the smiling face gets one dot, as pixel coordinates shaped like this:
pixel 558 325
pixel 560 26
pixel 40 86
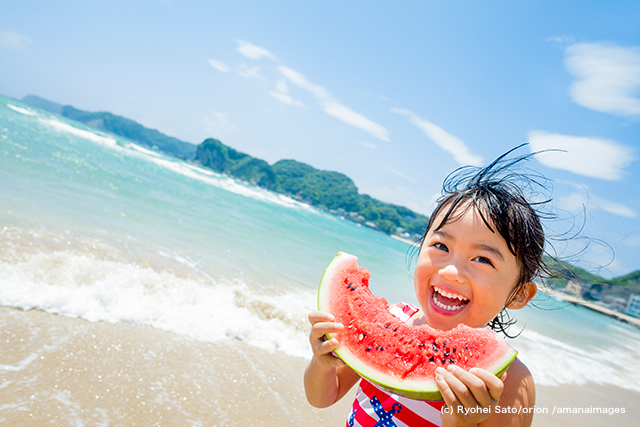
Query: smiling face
pixel 465 272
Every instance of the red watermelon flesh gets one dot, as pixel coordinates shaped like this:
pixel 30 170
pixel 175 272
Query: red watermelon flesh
pixel 398 357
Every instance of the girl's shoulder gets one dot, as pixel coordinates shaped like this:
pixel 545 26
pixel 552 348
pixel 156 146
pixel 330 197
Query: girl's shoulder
pixel 519 381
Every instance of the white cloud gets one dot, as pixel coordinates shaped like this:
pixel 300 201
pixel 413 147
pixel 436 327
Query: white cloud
pixel 333 107
pixel 219 123
pixel 443 139
pixel 560 39
pixel 219 65
pixel 286 99
pixel 594 157
pixel 14 40
pixel 368 144
pixel 250 72
pixel 608 77
pixel 302 82
pixel 252 51
pixel 576 201
pixel 402 175
pixel 281 86
pixel 347 115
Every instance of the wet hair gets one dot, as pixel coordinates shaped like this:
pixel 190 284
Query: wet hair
pixel 509 201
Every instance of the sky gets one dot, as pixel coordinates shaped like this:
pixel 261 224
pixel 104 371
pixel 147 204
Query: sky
pixel 395 95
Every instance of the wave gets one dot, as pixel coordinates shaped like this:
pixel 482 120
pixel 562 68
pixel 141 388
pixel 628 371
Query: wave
pixel 166 162
pixel 87 286
pixel 21 110
pixel 553 362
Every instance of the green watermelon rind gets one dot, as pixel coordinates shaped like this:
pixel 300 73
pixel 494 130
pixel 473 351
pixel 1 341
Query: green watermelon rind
pixel 414 389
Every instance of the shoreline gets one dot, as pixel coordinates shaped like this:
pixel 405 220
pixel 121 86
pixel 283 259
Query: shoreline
pixel 402 239
pixel 593 307
pixel 68 371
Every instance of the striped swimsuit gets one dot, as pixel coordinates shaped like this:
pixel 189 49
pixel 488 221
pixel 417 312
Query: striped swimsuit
pixel 374 407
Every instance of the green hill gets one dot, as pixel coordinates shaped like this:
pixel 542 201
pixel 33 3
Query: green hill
pixel 326 190
pixel 119 126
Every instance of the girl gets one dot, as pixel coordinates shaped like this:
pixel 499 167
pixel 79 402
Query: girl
pixel 481 250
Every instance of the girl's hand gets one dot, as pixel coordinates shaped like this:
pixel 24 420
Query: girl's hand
pixel 471 396
pixel 322 324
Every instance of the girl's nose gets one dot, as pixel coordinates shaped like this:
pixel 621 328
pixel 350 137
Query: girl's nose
pixel 450 272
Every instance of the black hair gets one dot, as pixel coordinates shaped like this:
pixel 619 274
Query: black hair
pixel 510 201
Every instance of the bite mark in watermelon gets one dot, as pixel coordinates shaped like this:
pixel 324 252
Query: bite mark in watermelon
pixel 386 351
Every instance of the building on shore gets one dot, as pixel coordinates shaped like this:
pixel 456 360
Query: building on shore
pixel 633 306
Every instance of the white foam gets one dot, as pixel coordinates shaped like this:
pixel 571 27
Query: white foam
pixel 553 362
pixel 212 178
pixel 175 165
pixel 22 110
pixel 104 290
pixel 81 133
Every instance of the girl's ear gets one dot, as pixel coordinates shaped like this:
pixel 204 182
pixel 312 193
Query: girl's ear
pixel 524 295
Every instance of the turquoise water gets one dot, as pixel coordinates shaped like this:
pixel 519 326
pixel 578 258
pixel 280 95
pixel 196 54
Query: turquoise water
pixel 94 226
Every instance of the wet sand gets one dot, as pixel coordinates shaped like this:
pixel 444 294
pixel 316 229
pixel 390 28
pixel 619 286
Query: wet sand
pixel 62 371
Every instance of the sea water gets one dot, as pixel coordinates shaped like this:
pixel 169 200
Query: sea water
pixel 96 227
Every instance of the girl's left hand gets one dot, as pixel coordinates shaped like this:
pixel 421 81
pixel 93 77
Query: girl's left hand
pixel 471 396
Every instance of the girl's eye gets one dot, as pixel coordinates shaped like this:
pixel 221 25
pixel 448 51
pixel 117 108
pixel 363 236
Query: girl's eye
pixel 484 260
pixel 440 246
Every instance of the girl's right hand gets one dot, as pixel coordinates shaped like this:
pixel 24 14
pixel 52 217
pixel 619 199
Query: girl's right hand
pixel 322 324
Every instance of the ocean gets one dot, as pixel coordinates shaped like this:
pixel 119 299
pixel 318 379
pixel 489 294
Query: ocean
pixel 95 227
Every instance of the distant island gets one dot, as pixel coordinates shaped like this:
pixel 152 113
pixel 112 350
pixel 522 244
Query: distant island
pixel 336 193
pixel 328 191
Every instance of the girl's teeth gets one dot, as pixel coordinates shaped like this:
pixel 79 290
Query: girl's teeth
pixel 447 307
pixel 448 295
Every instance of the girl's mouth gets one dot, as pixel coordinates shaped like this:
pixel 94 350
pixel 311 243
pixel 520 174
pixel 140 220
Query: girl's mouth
pixel 447 302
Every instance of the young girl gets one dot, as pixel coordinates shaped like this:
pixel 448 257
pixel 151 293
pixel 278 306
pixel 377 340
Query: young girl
pixel 481 250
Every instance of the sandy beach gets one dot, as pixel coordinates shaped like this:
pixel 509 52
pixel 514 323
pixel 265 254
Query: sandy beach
pixel 64 371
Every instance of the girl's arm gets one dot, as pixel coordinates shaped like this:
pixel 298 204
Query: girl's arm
pixel 519 392
pixel 327 379
pixel 479 398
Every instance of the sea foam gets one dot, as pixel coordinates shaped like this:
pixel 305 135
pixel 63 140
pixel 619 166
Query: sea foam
pixel 84 286
pixel 22 110
pixel 553 362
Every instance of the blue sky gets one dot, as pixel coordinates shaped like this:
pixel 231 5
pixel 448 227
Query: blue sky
pixel 394 94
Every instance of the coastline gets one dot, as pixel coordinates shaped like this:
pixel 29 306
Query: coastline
pixel 402 239
pixel 68 371
pixel 593 307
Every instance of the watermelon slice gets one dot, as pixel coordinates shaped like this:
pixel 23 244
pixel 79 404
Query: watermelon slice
pixel 397 357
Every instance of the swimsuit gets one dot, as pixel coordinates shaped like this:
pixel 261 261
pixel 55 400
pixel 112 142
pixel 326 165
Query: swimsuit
pixel 374 407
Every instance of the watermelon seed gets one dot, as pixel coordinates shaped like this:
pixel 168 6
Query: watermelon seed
pixel 443 360
pixel 369 348
pixel 395 330
pixel 381 348
pixel 435 347
pixel 452 360
pixel 454 349
pixel 431 359
pixel 466 347
pixel 421 345
pixel 444 344
pixel 446 354
pixel 361 336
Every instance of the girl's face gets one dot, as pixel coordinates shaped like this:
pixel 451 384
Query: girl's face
pixel 465 272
